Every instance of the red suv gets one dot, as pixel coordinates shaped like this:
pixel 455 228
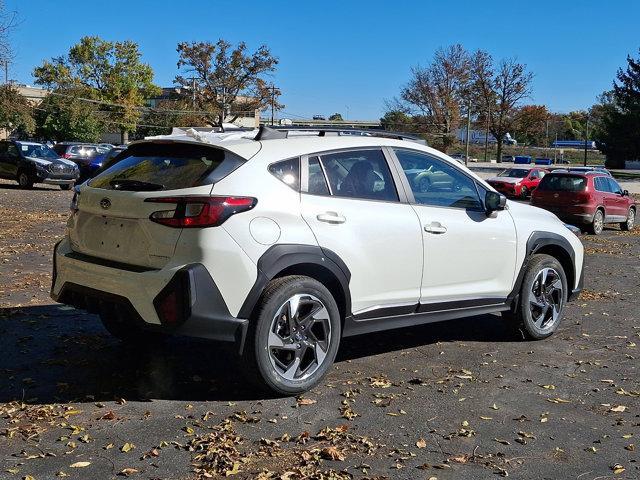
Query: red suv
pixel 518 182
pixel 589 199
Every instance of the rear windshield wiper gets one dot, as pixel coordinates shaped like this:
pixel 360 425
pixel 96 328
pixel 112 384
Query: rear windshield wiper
pixel 135 185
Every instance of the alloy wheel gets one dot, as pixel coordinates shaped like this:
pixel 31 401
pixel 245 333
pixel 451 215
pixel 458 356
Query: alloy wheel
pixel 546 298
pixel 299 337
pixel 598 222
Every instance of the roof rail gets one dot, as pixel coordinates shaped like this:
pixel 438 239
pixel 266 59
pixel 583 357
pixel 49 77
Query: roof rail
pixel 275 131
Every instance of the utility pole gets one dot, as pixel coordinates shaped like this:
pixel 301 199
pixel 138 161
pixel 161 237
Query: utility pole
pixel 555 150
pixel 223 115
pixel 586 137
pixel 193 92
pixel 273 102
pixel 486 138
pixel 546 146
pixel 466 155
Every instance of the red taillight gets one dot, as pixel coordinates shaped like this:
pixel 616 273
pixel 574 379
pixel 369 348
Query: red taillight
pixel 198 212
pixel 582 197
pixel 66 155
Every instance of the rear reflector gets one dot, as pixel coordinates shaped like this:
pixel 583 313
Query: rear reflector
pixel 199 212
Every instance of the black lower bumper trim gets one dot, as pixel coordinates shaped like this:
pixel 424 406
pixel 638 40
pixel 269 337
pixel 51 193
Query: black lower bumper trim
pixel 576 291
pixel 207 316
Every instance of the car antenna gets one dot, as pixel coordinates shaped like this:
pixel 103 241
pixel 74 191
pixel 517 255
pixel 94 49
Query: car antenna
pixel 266 133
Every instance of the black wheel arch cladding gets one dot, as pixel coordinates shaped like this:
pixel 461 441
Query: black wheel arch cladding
pixel 556 246
pixel 299 259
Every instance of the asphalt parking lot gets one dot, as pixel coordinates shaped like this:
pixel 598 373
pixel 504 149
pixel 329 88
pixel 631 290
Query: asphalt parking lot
pixel 464 399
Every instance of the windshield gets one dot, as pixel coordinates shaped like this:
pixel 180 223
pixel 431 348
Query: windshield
pixel 514 172
pixel 37 150
pixel 562 183
pixel 159 166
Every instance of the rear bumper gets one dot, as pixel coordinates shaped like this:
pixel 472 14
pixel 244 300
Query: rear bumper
pixel 180 301
pixel 572 214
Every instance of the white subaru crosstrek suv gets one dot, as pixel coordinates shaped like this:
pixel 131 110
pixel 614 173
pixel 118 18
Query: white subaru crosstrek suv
pixel 285 245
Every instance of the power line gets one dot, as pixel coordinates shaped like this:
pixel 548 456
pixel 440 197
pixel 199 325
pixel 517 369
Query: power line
pixel 147 109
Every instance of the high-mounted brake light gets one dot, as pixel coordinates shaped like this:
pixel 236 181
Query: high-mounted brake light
pixel 199 212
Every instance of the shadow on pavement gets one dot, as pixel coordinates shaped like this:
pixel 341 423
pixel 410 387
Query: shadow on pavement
pixel 53 354
pixel 12 186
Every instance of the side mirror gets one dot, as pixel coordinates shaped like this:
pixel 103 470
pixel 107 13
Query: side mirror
pixel 494 201
pixel 625 193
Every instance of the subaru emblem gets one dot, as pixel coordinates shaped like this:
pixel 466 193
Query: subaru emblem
pixel 105 203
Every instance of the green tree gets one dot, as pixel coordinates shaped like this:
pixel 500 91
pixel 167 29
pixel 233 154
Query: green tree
pixel 397 120
pixel 16 113
pixel 499 90
pixel 109 73
pixel 437 93
pixel 336 117
pixel 620 125
pixel 169 113
pixel 224 82
pixel 61 117
pixel 530 125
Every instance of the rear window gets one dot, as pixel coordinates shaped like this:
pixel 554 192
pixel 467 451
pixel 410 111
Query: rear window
pixel 166 166
pixel 563 183
pixel 514 173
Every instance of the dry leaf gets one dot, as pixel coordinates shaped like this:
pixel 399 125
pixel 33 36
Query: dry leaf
pixel 125 472
pixel 617 468
pixel 127 447
pixel 80 465
pixel 332 453
pixel 422 443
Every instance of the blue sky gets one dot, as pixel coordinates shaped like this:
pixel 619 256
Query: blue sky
pixel 349 56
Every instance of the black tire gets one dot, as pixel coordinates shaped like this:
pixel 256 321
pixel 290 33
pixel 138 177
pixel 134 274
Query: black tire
pixel 631 220
pixel 66 187
pixel 597 224
pixel 268 366
pixel 24 179
pixel 528 315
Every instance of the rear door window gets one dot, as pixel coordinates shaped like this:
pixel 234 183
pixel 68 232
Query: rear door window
pixel 317 180
pixel 563 183
pixel 602 185
pixel 162 166
pixel 359 174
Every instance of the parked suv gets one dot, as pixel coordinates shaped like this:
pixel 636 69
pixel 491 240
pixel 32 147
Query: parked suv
pixel 590 200
pixel 29 162
pixel 283 246
pixel 82 154
pixel 518 182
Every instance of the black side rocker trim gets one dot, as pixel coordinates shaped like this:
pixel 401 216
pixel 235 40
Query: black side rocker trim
pixel 424 313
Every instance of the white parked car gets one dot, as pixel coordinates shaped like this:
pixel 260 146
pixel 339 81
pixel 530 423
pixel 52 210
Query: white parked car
pixel 285 245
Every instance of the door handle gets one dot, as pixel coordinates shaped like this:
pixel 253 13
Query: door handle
pixel 436 228
pixel 331 217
